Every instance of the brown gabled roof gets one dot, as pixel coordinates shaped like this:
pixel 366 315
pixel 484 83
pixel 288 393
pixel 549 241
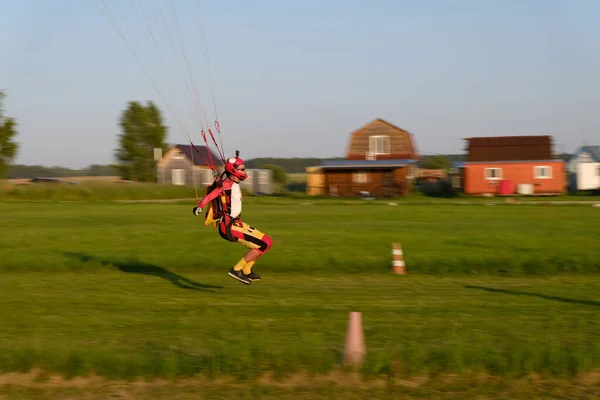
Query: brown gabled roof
pixel 199 159
pixel 509 148
pixel 411 145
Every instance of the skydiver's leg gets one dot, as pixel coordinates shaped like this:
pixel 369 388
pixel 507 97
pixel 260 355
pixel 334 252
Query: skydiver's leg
pixel 236 271
pixel 264 243
pixel 256 241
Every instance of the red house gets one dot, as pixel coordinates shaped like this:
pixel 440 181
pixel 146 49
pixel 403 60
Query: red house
pixel 509 165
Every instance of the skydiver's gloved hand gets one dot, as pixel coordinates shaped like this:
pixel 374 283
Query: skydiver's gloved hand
pixel 197 210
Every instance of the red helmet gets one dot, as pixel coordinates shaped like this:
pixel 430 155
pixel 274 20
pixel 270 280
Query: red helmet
pixel 231 168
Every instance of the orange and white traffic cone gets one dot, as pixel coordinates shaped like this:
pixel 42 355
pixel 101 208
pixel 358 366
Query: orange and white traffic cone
pixel 398 259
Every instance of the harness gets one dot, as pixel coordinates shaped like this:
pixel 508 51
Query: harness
pixel 217 210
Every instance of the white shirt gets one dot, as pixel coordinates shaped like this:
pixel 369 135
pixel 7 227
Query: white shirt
pixel 236 200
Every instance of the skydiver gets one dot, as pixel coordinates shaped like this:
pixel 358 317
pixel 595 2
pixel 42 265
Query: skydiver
pixel 224 199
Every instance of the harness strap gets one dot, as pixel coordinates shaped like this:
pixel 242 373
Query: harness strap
pixel 228 222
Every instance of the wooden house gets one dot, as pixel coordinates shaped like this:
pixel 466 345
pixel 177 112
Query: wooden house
pixel 181 164
pixel 380 161
pixel 507 165
pixel 583 169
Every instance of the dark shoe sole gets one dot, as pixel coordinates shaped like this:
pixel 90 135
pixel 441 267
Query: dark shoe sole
pixel 235 277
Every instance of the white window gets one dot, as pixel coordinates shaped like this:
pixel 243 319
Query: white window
pixel 542 172
pixel 359 177
pixel 178 155
pixel 207 177
pixel 379 144
pixel 263 178
pixel 493 173
pixel 178 176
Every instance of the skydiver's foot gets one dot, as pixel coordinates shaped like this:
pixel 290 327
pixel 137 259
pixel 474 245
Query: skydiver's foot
pixel 253 276
pixel 239 275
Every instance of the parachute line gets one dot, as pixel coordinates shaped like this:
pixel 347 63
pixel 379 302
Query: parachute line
pixel 112 20
pixel 173 48
pixel 156 28
pixel 210 80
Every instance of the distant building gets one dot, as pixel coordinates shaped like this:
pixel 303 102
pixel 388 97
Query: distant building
pixel 506 165
pixel 380 160
pixel 182 164
pixel 584 169
pixel 259 182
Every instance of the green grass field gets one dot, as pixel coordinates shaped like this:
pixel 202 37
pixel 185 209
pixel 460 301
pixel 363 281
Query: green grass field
pixel 102 189
pixel 494 295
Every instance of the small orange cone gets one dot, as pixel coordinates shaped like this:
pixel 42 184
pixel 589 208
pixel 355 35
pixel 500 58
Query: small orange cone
pixel 398 259
pixel 354 350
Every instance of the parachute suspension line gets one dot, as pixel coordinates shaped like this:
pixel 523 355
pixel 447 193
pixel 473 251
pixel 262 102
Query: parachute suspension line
pixel 205 141
pixel 203 34
pixel 181 69
pixel 192 88
pixel 147 25
pixel 193 174
pixel 111 19
pixel 107 13
pixel 217 146
pixel 187 63
pixel 196 91
pixel 199 105
pixel 194 85
pixel 210 81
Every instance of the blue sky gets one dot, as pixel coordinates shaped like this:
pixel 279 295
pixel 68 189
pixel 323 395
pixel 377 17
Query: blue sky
pixel 294 78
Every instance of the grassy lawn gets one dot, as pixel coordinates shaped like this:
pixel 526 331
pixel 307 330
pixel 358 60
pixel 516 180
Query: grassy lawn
pixel 308 236
pixel 125 323
pixel 140 291
pixel 102 189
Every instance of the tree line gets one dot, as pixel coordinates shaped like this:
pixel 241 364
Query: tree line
pixel 8 144
pixel 143 130
pixel 19 171
pixel 290 165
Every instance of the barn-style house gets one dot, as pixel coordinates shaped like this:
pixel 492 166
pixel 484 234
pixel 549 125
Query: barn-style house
pixel 380 161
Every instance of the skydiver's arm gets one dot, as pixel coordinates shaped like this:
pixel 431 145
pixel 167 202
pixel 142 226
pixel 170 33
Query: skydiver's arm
pixel 209 197
pixel 205 200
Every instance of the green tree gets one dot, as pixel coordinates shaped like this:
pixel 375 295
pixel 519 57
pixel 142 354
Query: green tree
pixel 142 131
pixel 279 173
pixel 101 170
pixel 437 162
pixel 8 146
